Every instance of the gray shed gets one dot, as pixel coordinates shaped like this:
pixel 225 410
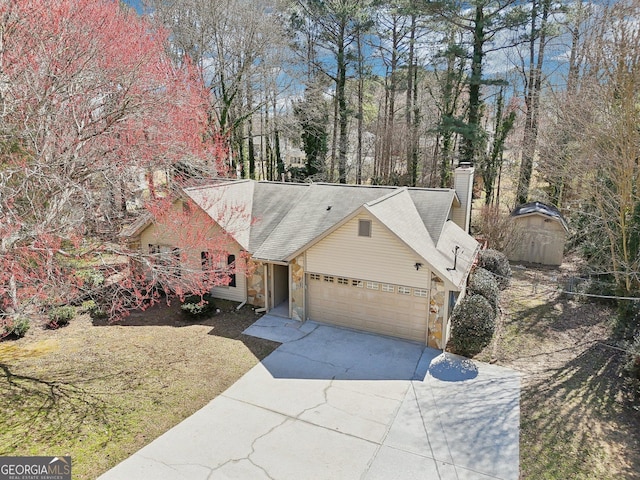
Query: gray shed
pixel 543 233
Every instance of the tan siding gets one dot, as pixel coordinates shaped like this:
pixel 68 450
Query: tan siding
pixel 381 257
pixel 542 240
pixel 173 237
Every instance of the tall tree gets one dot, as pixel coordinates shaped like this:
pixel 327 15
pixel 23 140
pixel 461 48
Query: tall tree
pixel 609 139
pixel 337 23
pixel 482 21
pixel 533 79
pixel 235 44
pixel 491 163
pixel 313 117
pixel 88 95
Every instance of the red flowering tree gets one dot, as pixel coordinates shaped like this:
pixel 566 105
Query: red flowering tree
pixel 90 103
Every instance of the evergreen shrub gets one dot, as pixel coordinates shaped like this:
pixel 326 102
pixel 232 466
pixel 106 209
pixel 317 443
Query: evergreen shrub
pixel 483 282
pixel 60 316
pixel 198 306
pixel 473 324
pixel 17 327
pixel 498 264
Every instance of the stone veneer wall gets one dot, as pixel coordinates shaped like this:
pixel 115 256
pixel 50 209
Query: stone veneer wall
pixel 297 288
pixel 256 286
pixel 436 313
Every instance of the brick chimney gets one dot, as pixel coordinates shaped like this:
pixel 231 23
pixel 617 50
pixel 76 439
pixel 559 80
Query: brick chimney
pixel 463 185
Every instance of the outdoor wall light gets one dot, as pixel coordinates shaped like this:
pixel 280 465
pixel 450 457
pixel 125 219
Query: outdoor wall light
pixel 418 265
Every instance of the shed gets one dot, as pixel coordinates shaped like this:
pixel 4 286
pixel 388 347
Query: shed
pixel 543 233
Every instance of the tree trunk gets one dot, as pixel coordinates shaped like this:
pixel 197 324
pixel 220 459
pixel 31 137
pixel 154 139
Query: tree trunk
pixel 360 109
pixel 532 101
pixel 470 146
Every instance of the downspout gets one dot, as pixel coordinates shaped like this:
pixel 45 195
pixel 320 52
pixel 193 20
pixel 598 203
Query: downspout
pixel 289 285
pixel 267 285
pixel 426 340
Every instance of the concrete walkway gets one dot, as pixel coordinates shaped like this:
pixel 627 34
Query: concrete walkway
pixel 333 404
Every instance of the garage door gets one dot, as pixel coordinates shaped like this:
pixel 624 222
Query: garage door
pixel 395 310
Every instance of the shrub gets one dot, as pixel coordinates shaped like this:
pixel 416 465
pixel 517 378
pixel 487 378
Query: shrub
pixel 198 306
pixel 498 264
pixel 484 283
pixel 16 327
pixel 91 277
pixel 60 316
pixel 93 309
pixel 632 365
pixel 473 323
pixel 498 229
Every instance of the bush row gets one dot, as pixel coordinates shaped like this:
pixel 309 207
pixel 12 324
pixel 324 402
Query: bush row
pixel 473 321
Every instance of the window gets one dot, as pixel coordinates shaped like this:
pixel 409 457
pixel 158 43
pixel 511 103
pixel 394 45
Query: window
pixel 372 285
pixel 357 283
pixel 168 258
pixel 420 292
pixel 364 228
pixel 206 261
pixel 231 265
pixel 388 288
pixel 328 279
pixel 404 290
pixel 343 281
pixel 314 276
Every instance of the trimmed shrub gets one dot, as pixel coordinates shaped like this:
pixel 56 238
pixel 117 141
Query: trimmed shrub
pixel 61 316
pixel 16 327
pixel 198 306
pixel 484 283
pixel 498 264
pixel 473 323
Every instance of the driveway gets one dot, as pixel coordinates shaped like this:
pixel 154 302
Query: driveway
pixel 332 403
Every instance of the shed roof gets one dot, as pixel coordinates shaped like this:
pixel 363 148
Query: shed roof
pixel 541 209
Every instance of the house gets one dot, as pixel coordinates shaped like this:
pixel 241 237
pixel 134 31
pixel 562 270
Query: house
pixel 543 231
pixel 390 260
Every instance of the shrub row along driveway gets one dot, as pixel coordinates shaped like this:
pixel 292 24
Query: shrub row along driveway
pixel 336 404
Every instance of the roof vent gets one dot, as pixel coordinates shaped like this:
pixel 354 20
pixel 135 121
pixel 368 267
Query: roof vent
pixel 328 208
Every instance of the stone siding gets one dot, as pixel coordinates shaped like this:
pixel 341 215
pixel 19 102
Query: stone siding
pixel 436 313
pixel 256 286
pixel 297 288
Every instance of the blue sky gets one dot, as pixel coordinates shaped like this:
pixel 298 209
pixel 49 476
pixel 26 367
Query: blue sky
pixel 137 4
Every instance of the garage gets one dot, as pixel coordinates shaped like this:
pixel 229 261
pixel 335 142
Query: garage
pixel 388 309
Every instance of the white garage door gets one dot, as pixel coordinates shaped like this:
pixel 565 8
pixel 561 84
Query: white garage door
pixel 394 310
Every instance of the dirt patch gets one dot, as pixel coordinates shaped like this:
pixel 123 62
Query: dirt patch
pixel 577 417
pixel 99 391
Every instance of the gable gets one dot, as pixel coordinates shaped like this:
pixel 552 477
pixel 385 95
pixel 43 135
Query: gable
pixel 380 257
pixel 540 222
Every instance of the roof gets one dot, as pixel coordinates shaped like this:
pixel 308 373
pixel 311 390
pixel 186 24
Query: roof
pixel 276 221
pixel 541 209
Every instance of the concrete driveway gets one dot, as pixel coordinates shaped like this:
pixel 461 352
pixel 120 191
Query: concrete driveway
pixel 333 404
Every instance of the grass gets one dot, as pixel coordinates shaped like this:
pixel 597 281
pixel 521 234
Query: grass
pixel 577 418
pixel 100 392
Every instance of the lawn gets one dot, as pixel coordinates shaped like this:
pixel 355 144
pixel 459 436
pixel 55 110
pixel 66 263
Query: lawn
pixel 99 392
pixel 578 420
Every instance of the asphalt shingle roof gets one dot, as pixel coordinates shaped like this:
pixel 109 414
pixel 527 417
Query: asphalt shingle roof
pixel 274 221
